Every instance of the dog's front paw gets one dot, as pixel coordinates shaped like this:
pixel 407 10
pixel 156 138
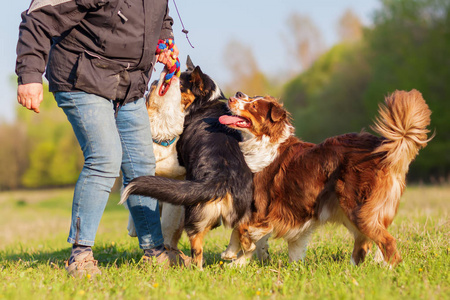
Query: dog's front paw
pixel 242 259
pixel 228 255
pixel 239 262
pixel 378 257
pixel 249 247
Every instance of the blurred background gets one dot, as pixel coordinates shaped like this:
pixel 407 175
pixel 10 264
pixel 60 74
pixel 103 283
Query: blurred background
pixel 330 62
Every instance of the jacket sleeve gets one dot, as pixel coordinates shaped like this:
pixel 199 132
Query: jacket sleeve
pixel 43 21
pixel 166 29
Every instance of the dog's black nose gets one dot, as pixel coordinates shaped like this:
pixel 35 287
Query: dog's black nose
pixel 240 95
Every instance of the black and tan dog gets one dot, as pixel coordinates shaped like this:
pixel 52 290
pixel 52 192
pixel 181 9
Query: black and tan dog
pixel 218 185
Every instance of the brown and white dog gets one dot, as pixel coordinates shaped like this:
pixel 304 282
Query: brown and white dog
pixel 355 179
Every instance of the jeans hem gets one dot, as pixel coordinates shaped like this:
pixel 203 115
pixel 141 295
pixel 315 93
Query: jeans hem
pixel 152 245
pixel 80 242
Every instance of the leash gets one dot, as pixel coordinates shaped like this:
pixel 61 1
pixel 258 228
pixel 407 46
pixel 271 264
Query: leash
pixel 185 31
pixel 174 70
pixel 168 44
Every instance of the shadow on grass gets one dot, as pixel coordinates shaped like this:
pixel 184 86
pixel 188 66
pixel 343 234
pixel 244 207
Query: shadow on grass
pixel 117 257
pixel 107 256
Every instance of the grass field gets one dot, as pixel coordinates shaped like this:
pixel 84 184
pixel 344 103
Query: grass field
pixel 34 227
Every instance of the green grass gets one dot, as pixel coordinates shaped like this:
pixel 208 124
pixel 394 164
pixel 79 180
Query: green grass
pixel 33 247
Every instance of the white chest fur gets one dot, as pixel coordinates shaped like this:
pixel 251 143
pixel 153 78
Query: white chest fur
pixel 259 152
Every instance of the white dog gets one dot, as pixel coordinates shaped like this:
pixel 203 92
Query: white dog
pixel 166 115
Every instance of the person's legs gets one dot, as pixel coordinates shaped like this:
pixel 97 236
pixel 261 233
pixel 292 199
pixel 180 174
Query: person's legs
pixel 92 119
pixel 138 160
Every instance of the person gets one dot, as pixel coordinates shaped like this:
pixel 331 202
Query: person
pixel 98 57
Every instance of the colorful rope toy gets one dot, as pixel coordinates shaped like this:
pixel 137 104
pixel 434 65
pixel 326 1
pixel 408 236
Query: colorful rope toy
pixel 174 70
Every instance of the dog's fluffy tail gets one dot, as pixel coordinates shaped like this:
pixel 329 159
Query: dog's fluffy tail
pixel 403 121
pixel 177 192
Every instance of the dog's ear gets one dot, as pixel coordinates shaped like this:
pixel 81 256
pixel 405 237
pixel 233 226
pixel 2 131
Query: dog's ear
pixel 189 65
pixel 277 113
pixel 197 78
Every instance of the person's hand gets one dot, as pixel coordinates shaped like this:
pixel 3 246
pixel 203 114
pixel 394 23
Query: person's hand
pixel 30 95
pixel 167 56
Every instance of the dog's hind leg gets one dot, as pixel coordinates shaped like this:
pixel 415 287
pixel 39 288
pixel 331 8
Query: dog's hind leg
pixel 233 247
pixel 383 239
pixel 297 247
pixel 248 236
pixel 374 227
pixel 362 246
pixel 196 241
pixel 371 225
pixel 388 246
pixel 172 223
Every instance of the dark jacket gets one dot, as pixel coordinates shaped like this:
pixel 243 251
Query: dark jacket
pixel 103 47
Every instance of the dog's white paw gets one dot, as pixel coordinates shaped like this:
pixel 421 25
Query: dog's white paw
pixel 228 255
pixel 378 257
pixel 252 248
pixel 239 262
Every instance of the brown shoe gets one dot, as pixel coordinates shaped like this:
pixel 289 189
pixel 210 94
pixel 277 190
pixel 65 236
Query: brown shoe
pixel 82 265
pixel 165 255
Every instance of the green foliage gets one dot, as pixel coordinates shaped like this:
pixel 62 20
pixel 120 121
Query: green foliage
pixel 322 100
pixel 407 48
pixel 54 154
pixel 410 48
pixel 245 70
pixel 13 155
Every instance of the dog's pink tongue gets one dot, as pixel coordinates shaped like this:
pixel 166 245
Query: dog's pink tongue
pixel 227 120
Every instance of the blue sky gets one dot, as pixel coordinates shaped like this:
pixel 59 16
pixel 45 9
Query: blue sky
pixel 211 24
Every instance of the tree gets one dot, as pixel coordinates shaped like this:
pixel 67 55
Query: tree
pixel 247 76
pixel 327 99
pixel 13 155
pixel 409 47
pixel 350 28
pixel 305 40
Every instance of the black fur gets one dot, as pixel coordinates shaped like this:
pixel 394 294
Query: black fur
pixel 210 153
pixel 214 163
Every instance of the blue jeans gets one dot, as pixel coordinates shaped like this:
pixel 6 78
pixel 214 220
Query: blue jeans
pixel 110 143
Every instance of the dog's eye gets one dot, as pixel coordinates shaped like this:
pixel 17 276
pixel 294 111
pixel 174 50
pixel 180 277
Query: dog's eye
pixel 254 106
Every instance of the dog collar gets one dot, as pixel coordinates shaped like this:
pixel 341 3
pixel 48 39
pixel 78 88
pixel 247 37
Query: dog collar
pixel 165 143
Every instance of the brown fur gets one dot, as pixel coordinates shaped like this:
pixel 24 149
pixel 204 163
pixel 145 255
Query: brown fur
pixel 353 179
